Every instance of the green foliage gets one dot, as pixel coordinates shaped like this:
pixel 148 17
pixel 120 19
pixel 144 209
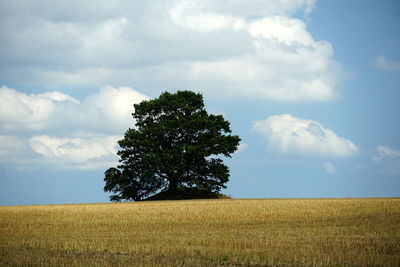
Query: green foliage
pixel 176 146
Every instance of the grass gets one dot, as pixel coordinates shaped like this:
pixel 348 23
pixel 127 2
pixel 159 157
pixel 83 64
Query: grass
pixel 221 232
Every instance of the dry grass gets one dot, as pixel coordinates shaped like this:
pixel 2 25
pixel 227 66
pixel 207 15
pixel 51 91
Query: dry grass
pixel 290 232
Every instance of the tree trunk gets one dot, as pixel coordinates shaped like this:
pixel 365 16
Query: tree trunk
pixel 173 185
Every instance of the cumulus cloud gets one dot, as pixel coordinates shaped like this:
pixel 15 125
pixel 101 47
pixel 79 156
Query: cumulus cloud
pixel 388 158
pixel 78 153
pixel 55 128
pixel 20 111
pixel 240 48
pixel 385 64
pixel 109 110
pixel 285 64
pixel 290 135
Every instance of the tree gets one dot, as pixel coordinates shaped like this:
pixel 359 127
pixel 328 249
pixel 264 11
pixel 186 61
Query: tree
pixel 176 146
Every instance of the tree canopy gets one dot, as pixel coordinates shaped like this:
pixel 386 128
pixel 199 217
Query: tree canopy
pixel 175 147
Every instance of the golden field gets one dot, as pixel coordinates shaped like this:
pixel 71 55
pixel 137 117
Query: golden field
pixel 229 232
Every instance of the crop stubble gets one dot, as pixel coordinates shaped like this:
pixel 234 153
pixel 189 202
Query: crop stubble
pixel 259 232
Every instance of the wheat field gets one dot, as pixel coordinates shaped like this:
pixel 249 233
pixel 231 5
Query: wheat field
pixel 229 232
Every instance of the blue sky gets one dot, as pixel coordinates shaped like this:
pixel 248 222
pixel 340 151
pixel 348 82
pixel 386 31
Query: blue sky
pixel 312 88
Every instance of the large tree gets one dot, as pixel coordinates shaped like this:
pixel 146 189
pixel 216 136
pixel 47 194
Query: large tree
pixel 176 146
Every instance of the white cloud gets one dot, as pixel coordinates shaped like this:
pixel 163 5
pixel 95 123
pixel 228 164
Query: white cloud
pixel 385 64
pixel 388 158
pixel 186 15
pixel 248 8
pixel 283 29
pixel 55 96
pixel 111 108
pixel 329 167
pixel 65 132
pixel 20 111
pixel 285 64
pixel 238 48
pixel 242 146
pixel 77 153
pixel 108 110
pixel 291 135
pixel 385 151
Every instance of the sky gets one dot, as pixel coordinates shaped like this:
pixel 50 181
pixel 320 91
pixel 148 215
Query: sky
pixel 311 87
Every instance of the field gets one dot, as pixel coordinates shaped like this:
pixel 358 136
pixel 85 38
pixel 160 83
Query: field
pixel 259 232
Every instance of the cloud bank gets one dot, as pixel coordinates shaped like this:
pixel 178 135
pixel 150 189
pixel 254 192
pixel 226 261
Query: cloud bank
pixel 290 135
pixel 56 129
pixel 253 49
